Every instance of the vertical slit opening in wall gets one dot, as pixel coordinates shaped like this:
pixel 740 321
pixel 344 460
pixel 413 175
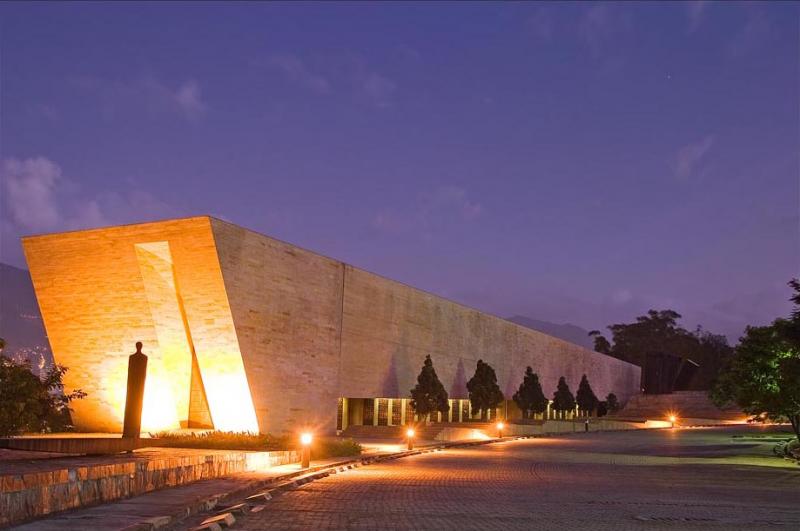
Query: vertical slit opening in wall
pixel 175 396
pixel 199 414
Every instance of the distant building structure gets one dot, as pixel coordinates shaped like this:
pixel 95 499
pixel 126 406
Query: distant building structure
pixel 245 332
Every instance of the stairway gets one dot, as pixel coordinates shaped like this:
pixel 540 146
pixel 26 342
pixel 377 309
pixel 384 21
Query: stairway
pixel 684 404
pixel 423 432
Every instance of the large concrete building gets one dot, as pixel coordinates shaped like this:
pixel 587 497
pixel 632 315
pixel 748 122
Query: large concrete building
pixel 245 332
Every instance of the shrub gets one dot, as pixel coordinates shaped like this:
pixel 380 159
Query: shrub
pixel 612 403
pixel 321 448
pixel 220 440
pixel 31 404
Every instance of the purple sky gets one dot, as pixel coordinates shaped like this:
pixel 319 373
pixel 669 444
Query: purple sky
pixel 568 162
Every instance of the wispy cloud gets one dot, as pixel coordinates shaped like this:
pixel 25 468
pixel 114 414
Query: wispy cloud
pixel 342 74
pixel 378 89
pixel 297 72
pixel 695 13
pixel 430 212
pixel 146 92
pixel 29 187
pixel 189 99
pixel 601 23
pixel 756 29
pixel 691 156
pixel 39 198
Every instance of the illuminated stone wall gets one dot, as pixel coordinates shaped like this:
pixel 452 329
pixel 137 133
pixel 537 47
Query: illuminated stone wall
pixel 279 332
pixel 102 290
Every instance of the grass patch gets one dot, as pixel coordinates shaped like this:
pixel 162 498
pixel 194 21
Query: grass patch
pixel 321 448
pixel 220 440
pixel 335 447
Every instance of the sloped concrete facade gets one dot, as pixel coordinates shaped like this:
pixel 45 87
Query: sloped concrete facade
pixel 279 333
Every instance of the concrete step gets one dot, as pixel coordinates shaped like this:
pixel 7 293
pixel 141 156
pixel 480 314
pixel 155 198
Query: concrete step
pixel 694 404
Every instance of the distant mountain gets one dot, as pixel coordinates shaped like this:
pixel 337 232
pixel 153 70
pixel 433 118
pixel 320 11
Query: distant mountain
pixel 567 331
pixel 20 320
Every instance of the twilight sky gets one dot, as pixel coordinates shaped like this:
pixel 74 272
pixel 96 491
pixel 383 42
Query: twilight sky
pixel 568 162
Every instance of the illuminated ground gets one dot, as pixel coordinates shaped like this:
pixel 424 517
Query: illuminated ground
pixel 657 479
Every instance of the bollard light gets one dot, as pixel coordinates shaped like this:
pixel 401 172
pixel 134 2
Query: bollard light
pixel 305 441
pixel 500 427
pixel 410 438
pixel 672 420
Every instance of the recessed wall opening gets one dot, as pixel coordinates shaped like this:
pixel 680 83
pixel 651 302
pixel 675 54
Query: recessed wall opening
pixel 175 396
pixel 398 412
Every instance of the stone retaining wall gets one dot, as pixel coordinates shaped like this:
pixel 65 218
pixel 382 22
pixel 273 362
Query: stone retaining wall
pixel 31 489
pixel 568 426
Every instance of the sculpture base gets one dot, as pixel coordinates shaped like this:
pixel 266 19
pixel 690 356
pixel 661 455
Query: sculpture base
pixel 76 445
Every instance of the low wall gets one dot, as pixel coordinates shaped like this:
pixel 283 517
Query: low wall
pixel 568 426
pixel 461 434
pixel 30 489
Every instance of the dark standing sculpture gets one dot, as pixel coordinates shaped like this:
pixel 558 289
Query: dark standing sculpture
pixel 134 399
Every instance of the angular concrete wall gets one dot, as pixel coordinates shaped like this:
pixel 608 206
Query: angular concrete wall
pixel 286 305
pixel 308 329
pixel 312 329
pixel 395 326
pixel 98 296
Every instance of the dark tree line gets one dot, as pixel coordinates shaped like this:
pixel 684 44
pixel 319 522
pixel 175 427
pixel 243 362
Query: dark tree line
pixel 429 396
pixel 659 332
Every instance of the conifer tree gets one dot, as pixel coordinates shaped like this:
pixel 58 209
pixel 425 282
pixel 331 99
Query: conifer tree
pixel 484 393
pixel 530 397
pixel 429 395
pixel 562 398
pixel 585 397
pixel 612 403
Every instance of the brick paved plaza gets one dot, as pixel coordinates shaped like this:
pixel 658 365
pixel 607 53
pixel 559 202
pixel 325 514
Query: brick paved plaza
pixel 656 479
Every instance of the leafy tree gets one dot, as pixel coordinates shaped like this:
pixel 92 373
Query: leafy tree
pixel 429 395
pixel 658 331
pixel 530 397
pixel 602 408
pixel 562 398
pixel 585 397
pixel 764 375
pixel 30 404
pixel 612 403
pixel 601 344
pixel 484 393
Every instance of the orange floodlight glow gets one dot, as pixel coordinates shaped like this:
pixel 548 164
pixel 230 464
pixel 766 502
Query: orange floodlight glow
pixel 305 439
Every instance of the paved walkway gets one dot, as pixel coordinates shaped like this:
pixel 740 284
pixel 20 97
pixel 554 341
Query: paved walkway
pixel 161 506
pixel 656 479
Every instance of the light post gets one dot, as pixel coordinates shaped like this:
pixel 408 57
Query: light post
pixel 410 438
pixel 672 420
pixel 305 441
pixel 500 427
